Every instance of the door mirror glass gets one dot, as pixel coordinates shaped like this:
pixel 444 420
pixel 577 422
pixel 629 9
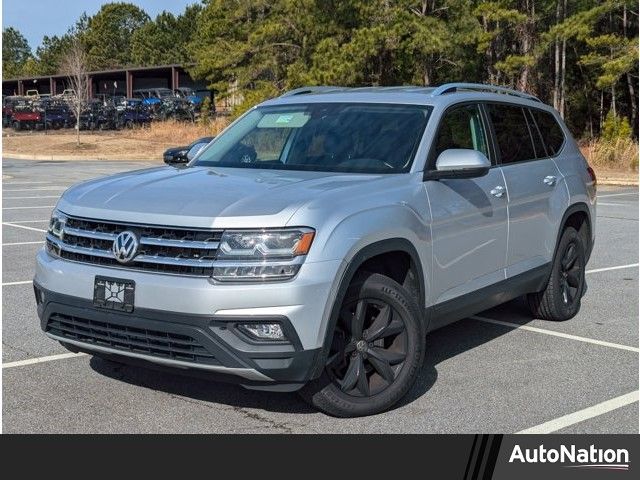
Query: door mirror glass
pixel 461 163
pixel 195 150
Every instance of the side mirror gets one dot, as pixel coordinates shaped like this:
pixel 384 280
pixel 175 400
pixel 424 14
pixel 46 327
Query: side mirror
pixel 195 150
pixel 460 163
pixel 176 157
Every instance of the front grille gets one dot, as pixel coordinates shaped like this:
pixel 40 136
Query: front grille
pixel 172 346
pixel 162 249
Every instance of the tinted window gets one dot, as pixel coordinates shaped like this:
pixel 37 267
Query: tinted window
pixel 538 143
pixel 550 130
pixel 461 127
pixel 330 137
pixel 512 133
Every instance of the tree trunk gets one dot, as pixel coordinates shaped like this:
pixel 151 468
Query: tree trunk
pixel 563 71
pixel 556 71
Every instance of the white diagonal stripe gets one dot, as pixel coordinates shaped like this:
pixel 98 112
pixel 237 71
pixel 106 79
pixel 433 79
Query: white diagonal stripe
pixel 32 361
pixel 617 267
pixel 557 334
pixel 9 224
pixel 585 414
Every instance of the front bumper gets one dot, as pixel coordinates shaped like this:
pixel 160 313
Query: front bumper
pixel 190 323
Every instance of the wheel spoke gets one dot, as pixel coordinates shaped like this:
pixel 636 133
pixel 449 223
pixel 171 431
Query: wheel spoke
pixel 573 277
pixel 383 368
pixel 358 319
pixel 333 359
pixel 379 324
pixel 565 291
pixel 351 375
pixel 363 381
pixel 569 258
pixel 388 356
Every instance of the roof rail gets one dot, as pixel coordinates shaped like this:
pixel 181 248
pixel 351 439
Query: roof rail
pixel 306 90
pixel 479 87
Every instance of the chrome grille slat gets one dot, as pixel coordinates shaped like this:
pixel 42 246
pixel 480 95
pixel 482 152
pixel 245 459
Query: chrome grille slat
pixel 173 250
pixel 163 242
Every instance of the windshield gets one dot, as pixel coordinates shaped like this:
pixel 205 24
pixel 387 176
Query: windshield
pixel 329 137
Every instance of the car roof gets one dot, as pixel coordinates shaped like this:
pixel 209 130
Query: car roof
pixel 443 95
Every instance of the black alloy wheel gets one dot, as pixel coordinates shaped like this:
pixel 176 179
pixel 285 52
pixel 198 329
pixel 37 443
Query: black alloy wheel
pixel 369 347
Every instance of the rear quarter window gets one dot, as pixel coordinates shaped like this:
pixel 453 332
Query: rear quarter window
pixel 512 133
pixel 551 132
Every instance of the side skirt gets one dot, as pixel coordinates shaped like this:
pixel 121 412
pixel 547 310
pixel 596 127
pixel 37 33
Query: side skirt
pixel 445 313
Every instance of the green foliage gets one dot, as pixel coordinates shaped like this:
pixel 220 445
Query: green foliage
pixel 615 127
pixel 253 50
pixel 15 52
pixel 164 40
pixel 205 111
pixel 109 34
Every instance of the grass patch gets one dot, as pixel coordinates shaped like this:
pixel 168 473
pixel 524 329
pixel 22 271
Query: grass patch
pixel 618 154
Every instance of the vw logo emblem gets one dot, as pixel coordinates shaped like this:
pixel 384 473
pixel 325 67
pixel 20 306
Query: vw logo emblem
pixel 125 246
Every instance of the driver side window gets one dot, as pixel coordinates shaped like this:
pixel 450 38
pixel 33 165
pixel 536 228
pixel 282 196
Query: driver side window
pixel 461 127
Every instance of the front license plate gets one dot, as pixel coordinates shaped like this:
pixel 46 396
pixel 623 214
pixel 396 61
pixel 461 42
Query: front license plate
pixel 114 293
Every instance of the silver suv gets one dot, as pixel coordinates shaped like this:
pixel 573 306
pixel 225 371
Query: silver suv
pixel 316 241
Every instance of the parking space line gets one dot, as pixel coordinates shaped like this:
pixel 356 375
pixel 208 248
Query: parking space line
pixel 617 194
pixel 613 204
pixel 20 243
pixel 50 358
pixel 9 224
pixel 517 326
pixel 25 208
pixel 606 269
pixel 34 188
pixel 584 414
pixel 23 282
pixel 23 183
pixel 30 221
pixel 27 198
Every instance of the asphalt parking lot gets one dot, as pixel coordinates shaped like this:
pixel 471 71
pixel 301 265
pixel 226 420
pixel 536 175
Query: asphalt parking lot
pixel 500 371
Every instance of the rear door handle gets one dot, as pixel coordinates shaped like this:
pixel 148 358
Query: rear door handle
pixel 550 180
pixel 497 191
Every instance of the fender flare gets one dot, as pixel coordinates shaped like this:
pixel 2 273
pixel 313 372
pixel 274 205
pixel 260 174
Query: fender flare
pixel 364 254
pixel 574 208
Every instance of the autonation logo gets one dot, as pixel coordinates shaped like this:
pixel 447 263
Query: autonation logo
pixel 592 457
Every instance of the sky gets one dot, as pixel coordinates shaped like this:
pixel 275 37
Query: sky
pixel 37 18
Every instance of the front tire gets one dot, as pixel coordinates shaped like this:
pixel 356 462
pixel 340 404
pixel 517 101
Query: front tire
pixel 560 300
pixel 376 353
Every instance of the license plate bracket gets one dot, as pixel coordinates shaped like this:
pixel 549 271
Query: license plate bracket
pixel 114 293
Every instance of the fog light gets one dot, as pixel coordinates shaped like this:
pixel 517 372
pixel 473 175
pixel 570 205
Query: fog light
pixel 263 331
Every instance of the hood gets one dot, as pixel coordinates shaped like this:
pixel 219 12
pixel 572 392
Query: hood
pixel 203 196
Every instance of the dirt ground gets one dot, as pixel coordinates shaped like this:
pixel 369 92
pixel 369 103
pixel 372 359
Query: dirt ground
pixel 137 144
pixel 114 145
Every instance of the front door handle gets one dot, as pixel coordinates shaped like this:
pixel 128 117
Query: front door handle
pixel 550 180
pixel 497 191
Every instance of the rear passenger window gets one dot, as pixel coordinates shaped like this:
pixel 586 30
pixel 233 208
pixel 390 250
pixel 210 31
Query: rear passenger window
pixel 552 134
pixel 538 143
pixel 461 127
pixel 512 133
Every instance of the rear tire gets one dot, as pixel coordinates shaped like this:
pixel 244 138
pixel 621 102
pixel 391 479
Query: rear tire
pixel 376 353
pixel 560 300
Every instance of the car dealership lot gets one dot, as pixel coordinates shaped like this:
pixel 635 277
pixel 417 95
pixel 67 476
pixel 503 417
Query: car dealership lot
pixel 500 371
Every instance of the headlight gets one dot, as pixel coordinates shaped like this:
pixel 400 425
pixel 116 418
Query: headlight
pixel 261 255
pixel 265 244
pixel 57 223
